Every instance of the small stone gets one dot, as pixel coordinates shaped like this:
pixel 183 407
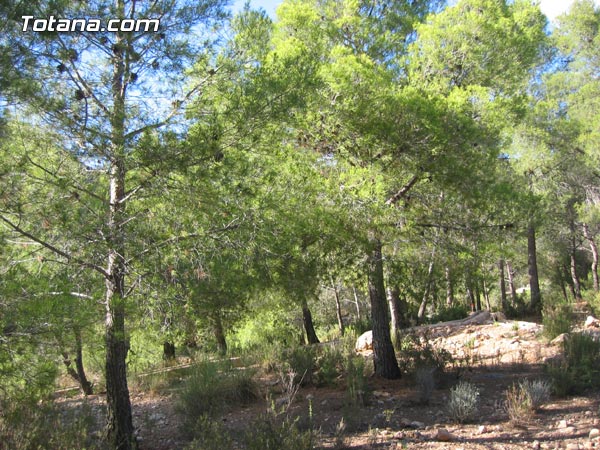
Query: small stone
pixel 572 446
pixel 399 435
pixel 559 339
pixel 444 435
pixel 562 424
pixel 417 425
pixel 594 433
pixel 482 429
pixel 535 445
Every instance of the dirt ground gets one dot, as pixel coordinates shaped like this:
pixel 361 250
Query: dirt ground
pixel 494 355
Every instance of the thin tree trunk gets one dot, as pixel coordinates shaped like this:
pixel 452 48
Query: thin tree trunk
pixel 423 306
pixel 477 297
pixel 503 298
pixel 219 334
pixel 356 301
pixel 470 296
pixel 86 386
pixel 486 295
pixel 393 297
pixel 575 277
pixel 534 281
pixel 338 306
pixel 594 249
pixel 385 362
pixel 449 288
pixel 311 335
pixel 168 350
pixel 511 283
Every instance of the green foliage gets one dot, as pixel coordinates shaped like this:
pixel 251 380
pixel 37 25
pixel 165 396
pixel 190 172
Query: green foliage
pixel 416 352
pixel 213 386
pixel 557 319
pixel 330 364
pixel 269 432
pixel 209 434
pixel 579 367
pixel 454 312
pixel 301 361
pixel 463 403
pixel 31 425
pixel 357 386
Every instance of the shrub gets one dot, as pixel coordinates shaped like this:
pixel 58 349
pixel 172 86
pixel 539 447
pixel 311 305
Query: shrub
pixel 464 402
pixel 424 378
pixel 538 391
pixel 557 319
pixel 446 314
pixel 356 381
pixel 518 404
pixel 417 352
pixel 270 433
pixel 212 386
pixel 210 435
pixel 330 364
pixel 302 362
pixel 579 369
pixel 37 426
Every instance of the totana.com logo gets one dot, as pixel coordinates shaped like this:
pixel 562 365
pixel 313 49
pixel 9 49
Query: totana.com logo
pixel 31 23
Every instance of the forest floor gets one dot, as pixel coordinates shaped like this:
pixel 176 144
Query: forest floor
pixel 494 356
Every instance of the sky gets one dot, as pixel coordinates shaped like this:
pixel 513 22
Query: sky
pixel 552 8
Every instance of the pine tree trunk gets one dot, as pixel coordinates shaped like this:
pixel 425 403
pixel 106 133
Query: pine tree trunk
pixel 503 298
pixel 574 274
pixel 385 362
pixel 120 425
pixel 477 297
pixel 534 281
pixel 338 306
pixel 594 249
pixel 423 306
pixel 84 383
pixel 470 296
pixel 511 283
pixel 219 334
pixel 309 327
pixel 449 288
pixel 393 297
pixel 356 302
pixel 168 350
pixel 486 295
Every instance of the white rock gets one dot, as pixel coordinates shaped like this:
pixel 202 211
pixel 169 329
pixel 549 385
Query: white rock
pixel 591 322
pixel 445 436
pixel 364 342
pixel 594 433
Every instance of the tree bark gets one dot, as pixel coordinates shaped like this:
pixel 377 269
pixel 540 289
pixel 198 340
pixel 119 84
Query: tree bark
pixel 385 362
pixel 449 288
pixel 511 283
pixel 534 281
pixel 486 295
pixel 502 281
pixel 594 249
pixel 338 306
pixel 219 334
pixel 396 310
pixel 423 306
pixel 477 297
pixel 311 335
pixel 356 302
pixel 470 296
pixel 120 424
pixel 168 350
pixel 574 274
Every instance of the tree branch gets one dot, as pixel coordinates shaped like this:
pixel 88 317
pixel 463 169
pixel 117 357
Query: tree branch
pixel 403 191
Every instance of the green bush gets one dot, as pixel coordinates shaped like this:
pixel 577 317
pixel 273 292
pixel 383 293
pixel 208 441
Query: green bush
pixel 30 425
pixel 557 319
pixel 446 314
pixel 268 432
pixel 416 352
pixel 210 435
pixel 356 381
pixel 330 365
pixel 579 368
pixel 464 402
pixel 302 362
pixel 212 386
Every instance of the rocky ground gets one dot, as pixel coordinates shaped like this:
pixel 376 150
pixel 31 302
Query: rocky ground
pixel 492 355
